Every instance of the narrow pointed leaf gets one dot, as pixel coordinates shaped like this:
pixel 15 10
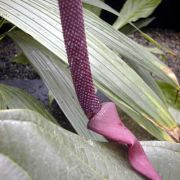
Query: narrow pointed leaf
pixel 154 50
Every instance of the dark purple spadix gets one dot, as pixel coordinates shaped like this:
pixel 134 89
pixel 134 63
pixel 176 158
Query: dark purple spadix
pixel 103 118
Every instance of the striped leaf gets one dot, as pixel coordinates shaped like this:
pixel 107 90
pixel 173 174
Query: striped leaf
pixel 41 20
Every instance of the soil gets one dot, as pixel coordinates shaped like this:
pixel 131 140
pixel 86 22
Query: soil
pixel 10 70
pixel 25 77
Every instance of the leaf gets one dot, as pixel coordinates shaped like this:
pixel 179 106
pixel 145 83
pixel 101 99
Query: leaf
pixel 147 77
pixel 46 151
pixel 9 170
pixel 14 98
pixel 136 116
pixel 129 49
pixel 31 48
pixel 93 9
pixel 50 98
pixel 102 5
pixel 171 94
pixel 129 29
pixel 154 50
pixel 135 9
pixel 2 21
pixel 173 99
pixel 20 59
pixel 175 113
pixel 107 67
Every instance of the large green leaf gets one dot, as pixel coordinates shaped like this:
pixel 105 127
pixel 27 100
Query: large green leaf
pixel 41 20
pixel 135 9
pixel 14 98
pixel 9 170
pixel 46 151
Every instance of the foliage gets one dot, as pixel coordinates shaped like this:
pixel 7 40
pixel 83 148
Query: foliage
pixel 34 146
pixel 112 77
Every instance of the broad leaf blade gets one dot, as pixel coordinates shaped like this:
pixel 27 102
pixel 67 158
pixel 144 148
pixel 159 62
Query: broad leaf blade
pixel 46 151
pixel 135 9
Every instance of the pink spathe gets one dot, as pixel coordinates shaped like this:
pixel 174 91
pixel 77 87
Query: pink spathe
pixel 104 118
pixel 107 123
